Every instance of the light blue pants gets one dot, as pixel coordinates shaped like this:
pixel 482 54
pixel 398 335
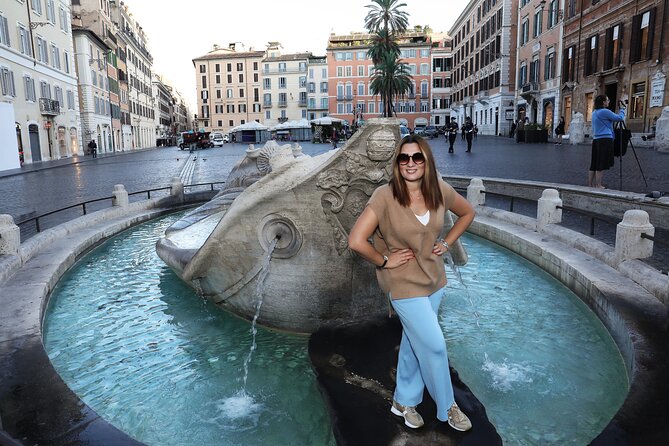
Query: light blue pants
pixel 423 359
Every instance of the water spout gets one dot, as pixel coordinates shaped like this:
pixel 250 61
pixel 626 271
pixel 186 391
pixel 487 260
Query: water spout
pixel 456 273
pixel 264 271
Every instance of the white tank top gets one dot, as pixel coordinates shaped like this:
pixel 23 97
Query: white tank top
pixel 424 219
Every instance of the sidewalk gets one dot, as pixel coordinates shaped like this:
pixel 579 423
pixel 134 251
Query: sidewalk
pixel 67 161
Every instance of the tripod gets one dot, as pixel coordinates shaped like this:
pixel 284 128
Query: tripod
pixel 622 138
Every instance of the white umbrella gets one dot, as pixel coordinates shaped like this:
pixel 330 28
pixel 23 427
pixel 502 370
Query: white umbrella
pixel 326 120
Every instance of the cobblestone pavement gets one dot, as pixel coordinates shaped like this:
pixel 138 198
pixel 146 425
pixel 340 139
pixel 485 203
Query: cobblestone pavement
pixel 47 186
pixel 43 187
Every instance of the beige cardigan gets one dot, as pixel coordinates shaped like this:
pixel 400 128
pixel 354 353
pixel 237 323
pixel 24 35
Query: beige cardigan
pixel 399 229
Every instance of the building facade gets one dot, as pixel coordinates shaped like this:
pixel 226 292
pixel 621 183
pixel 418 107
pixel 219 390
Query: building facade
pixel 284 78
pixel 540 34
pixel 228 82
pixel 95 16
pixel 138 62
pixel 92 56
pixel 484 61
pixel 317 87
pixel 442 66
pixel 163 111
pixel 617 48
pixel 38 78
pixel 350 70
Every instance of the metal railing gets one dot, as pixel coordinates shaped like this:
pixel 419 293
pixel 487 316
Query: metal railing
pixel 83 205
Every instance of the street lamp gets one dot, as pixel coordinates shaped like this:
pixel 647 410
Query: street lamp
pixel 111 115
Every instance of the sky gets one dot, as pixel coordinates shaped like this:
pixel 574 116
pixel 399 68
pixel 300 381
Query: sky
pixel 179 31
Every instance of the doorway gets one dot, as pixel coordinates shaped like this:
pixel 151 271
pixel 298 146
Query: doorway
pixel 567 113
pixel 611 92
pixel 62 143
pixel 19 142
pixel 548 117
pixel 35 149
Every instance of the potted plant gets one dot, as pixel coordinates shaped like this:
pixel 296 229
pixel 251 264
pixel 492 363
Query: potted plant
pixel 536 133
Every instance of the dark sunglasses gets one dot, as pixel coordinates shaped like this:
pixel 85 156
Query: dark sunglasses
pixel 418 158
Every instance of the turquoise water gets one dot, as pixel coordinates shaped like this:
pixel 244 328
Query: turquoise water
pixel 151 357
pixel 541 362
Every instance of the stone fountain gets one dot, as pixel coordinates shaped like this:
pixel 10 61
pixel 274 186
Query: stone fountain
pixel 309 204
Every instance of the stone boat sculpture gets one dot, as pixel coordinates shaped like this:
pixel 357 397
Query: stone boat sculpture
pixel 308 205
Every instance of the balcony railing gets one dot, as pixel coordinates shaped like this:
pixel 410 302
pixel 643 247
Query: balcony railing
pixel 49 107
pixel 530 87
pixel 303 103
pixel 267 104
pixel 283 103
pixel 344 97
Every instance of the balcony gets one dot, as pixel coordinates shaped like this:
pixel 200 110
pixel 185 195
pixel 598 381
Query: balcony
pixel 530 88
pixel 344 97
pixel 283 104
pixel 49 107
pixel 303 103
pixel 267 104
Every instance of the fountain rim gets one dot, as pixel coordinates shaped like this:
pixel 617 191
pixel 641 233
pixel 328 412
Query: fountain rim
pixel 102 225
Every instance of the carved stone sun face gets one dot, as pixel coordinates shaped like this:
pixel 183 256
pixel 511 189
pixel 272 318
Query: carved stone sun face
pixel 381 145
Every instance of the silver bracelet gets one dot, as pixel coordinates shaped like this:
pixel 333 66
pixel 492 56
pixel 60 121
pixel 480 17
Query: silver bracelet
pixel 445 243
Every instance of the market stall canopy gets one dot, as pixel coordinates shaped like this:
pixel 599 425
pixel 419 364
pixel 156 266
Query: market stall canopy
pixel 326 120
pixel 301 124
pixel 253 125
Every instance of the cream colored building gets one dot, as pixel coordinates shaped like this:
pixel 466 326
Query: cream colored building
pixel 484 65
pixel 284 85
pixel 94 16
pixel 442 64
pixel 138 62
pixel 228 84
pixel 317 87
pixel 38 79
pixel 95 108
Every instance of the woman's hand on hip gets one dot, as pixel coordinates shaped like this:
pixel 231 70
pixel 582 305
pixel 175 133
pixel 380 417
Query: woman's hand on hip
pixel 439 249
pixel 399 258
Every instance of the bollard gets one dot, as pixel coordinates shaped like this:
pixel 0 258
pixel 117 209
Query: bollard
pixel 177 188
pixel 10 236
pixel 629 244
pixel 475 192
pixel 547 208
pixel 120 196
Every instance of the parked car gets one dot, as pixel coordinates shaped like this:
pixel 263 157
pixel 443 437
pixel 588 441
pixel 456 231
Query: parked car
pixel 419 130
pixel 226 138
pixel 404 131
pixel 430 132
pixel 217 139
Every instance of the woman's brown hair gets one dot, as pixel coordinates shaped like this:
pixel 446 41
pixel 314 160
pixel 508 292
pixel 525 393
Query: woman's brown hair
pixel 430 186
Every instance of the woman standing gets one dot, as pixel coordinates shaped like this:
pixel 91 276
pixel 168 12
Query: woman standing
pixel 559 131
pixel 405 218
pixel 602 140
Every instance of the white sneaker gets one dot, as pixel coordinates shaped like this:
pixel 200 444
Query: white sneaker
pixel 411 417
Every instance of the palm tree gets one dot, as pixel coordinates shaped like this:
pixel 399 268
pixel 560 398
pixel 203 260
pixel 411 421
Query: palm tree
pixel 386 21
pixel 390 79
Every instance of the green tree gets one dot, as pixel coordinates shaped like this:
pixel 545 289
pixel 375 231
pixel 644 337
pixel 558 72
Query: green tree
pixel 387 22
pixel 390 79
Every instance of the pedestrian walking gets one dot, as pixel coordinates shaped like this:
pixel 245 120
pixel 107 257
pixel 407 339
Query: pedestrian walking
pixel 94 148
pixel 559 131
pixel 602 139
pixel 409 212
pixel 463 133
pixel 513 129
pixel 334 138
pixel 452 134
pixel 476 131
pixel 468 130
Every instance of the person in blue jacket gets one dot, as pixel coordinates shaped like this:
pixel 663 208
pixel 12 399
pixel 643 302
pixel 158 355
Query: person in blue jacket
pixel 602 140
